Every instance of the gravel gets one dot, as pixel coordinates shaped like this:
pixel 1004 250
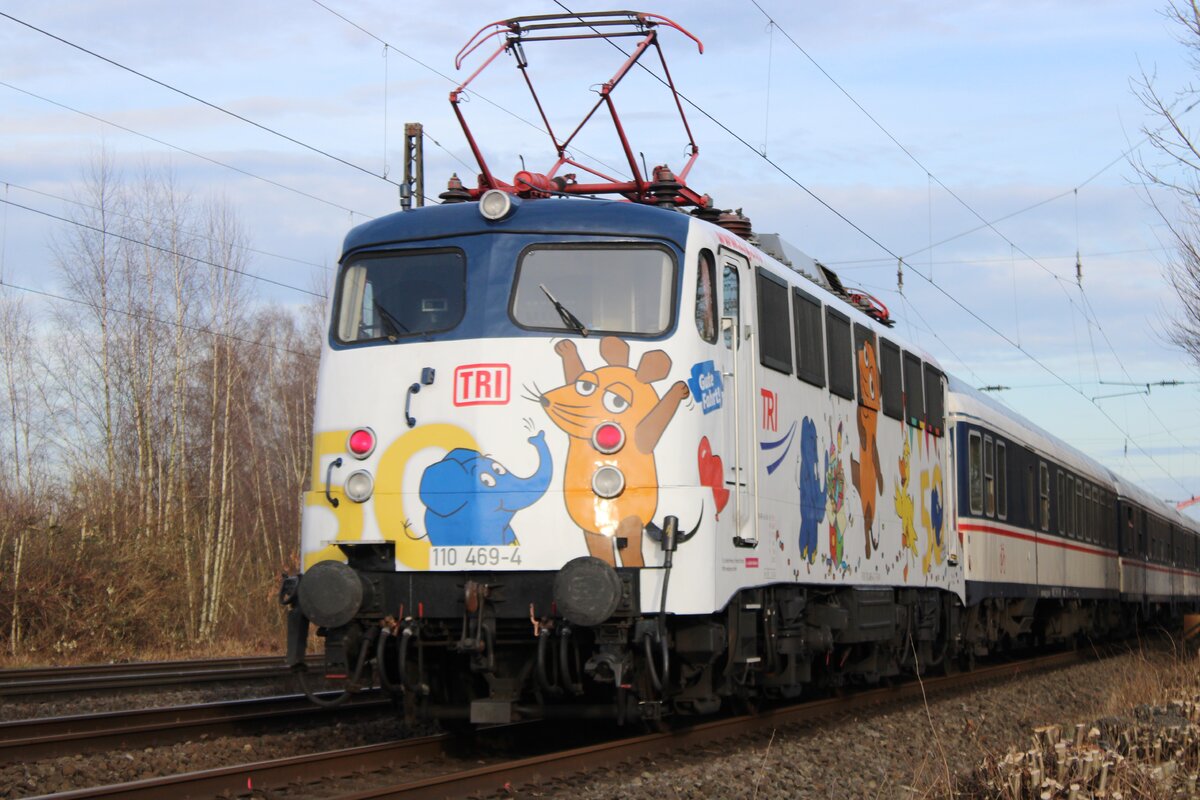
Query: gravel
pixel 896 753
pixel 906 752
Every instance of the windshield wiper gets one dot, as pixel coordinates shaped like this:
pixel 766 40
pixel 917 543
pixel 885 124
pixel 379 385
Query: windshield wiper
pixel 393 324
pixel 564 313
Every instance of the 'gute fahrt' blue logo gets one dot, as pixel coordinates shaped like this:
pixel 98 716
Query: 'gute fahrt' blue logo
pixel 706 386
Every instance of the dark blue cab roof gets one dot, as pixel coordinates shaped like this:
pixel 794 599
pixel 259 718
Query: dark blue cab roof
pixel 576 216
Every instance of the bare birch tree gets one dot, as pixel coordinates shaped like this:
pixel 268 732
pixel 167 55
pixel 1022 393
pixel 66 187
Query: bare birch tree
pixel 177 423
pixel 1174 168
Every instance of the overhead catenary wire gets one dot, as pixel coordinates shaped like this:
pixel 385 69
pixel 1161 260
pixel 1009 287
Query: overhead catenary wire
pixel 246 248
pixel 872 263
pixel 454 82
pixel 896 256
pixel 201 100
pixel 186 151
pixel 769 161
pixel 159 248
pixel 1085 308
pixel 156 320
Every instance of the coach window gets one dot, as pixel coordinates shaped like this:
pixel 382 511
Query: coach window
pixel 914 397
pixel 866 358
pixel 1077 509
pixel 1073 499
pixel 1001 480
pixel 975 468
pixel 1062 504
pixel 706 297
pixel 1094 515
pixel 774 332
pixel 1085 511
pixel 841 354
pixel 810 338
pixel 989 476
pixel 729 303
pixel 1072 524
pixel 1030 494
pixel 1088 515
pixel 1079 526
pixel 1045 492
pixel 891 379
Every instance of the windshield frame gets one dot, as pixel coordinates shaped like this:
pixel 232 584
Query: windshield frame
pixel 566 330
pixel 335 322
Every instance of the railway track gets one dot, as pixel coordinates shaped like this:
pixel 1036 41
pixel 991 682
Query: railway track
pixel 450 779
pixel 53 737
pixel 149 674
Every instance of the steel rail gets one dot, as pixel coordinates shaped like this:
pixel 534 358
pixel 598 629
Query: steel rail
pixel 52 737
pixel 290 771
pixel 234 781
pixel 538 768
pixel 61 680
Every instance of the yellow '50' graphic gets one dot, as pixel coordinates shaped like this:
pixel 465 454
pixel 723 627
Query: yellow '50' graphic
pixel 412 549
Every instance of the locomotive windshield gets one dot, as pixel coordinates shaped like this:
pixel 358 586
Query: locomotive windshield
pixel 610 289
pixel 401 295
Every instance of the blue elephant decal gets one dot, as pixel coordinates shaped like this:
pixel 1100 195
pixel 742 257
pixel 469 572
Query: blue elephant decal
pixel 812 493
pixel 470 498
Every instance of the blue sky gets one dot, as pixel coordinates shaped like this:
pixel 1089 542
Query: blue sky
pixel 1002 104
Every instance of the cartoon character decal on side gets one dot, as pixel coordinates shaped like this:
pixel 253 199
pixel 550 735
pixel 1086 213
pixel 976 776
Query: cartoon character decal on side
pixel 470 498
pixel 835 504
pixel 865 471
pixel 904 506
pixel 615 407
pixel 812 490
pixel 712 474
pixel 932 518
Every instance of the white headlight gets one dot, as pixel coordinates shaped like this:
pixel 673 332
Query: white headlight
pixel 359 485
pixel 495 204
pixel 608 482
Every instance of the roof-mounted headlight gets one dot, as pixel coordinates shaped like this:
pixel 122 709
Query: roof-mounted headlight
pixel 496 205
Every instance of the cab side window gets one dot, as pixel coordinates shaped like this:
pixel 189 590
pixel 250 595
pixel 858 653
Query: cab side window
pixel 730 303
pixel 706 297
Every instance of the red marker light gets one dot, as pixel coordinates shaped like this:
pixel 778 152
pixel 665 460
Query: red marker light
pixel 361 443
pixel 608 437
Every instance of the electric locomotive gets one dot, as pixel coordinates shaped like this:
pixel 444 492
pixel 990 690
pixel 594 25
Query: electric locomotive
pixel 612 458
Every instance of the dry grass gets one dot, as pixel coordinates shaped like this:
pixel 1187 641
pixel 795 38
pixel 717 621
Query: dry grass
pixel 83 601
pixel 1145 744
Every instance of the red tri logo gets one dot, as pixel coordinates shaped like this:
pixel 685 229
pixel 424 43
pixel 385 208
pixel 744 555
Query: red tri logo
pixel 482 384
pixel 770 410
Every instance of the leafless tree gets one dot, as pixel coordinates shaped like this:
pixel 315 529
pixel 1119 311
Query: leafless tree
pixel 155 429
pixel 1171 170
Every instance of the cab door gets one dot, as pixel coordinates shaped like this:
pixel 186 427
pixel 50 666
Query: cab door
pixel 737 332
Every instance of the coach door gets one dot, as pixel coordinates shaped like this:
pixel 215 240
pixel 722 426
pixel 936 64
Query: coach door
pixel 740 427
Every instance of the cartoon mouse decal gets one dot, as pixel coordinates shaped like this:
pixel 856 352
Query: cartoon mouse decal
pixel 620 400
pixel 865 472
